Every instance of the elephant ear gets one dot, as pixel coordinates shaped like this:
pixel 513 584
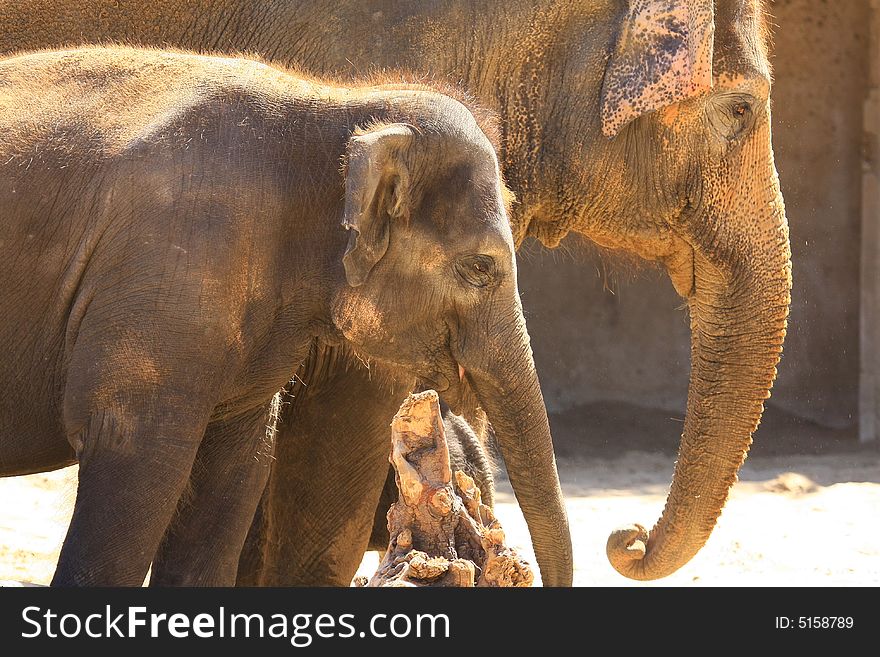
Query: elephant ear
pixel 663 55
pixel 376 192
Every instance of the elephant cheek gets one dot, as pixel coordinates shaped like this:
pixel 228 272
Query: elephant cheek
pixel 358 318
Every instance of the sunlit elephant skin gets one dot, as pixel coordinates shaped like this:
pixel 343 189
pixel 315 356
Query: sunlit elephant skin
pixel 180 231
pixel 642 124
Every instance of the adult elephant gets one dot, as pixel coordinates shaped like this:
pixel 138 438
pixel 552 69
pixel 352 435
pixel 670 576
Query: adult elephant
pixel 643 124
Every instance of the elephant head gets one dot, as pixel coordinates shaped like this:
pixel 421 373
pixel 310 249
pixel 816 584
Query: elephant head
pixel 687 167
pixel 431 288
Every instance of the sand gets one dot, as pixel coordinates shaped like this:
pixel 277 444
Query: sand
pixel 793 519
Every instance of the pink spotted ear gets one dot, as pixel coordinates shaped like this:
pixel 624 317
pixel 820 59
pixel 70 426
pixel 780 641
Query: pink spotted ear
pixel 663 56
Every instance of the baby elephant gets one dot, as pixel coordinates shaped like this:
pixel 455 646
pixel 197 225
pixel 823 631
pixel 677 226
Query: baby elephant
pixel 178 230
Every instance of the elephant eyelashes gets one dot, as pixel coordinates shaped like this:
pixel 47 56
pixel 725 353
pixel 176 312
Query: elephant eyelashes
pixel 476 270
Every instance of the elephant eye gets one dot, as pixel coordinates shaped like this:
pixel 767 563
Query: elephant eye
pixel 742 119
pixel 741 109
pixel 476 270
pixel 731 116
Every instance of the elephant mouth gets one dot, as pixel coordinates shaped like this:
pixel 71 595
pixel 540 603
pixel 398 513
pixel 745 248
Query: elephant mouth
pixel 451 383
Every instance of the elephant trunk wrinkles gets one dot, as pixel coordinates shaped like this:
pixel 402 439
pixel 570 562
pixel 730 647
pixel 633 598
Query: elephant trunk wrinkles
pixel 510 394
pixel 738 324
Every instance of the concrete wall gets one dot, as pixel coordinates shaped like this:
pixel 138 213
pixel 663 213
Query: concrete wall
pixel 869 315
pixel 623 337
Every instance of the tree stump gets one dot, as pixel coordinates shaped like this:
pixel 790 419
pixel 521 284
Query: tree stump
pixel 441 532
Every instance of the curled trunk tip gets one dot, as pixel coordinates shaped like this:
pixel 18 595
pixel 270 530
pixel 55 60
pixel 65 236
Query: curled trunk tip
pixel 626 549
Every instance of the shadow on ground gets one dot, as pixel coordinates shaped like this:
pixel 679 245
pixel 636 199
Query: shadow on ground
pixel 609 429
pixel 619 448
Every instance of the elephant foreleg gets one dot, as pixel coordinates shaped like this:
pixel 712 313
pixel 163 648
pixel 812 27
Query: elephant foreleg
pixel 316 516
pixel 135 455
pixel 204 541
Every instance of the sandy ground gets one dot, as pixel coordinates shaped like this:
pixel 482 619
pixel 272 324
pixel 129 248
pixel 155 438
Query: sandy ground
pixel 792 520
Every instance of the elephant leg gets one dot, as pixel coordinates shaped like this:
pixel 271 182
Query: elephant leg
pixel 135 455
pixel 379 536
pixel 124 502
pixel 139 394
pixel 331 462
pixel 252 561
pixel 203 543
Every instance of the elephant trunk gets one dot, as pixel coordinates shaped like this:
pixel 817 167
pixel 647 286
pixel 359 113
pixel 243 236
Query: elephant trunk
pixel 510 393
pixel 739 309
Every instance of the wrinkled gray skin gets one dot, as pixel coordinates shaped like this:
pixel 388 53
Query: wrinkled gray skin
pixel 590 144
pixel 177 237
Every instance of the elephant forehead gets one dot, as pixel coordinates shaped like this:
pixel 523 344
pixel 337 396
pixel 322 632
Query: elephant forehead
pixel 753 81
pixel 496 239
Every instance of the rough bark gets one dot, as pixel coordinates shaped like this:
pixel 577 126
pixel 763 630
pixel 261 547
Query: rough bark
pixel 441 532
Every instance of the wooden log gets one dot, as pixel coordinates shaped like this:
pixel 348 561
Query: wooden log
pixel 441 532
